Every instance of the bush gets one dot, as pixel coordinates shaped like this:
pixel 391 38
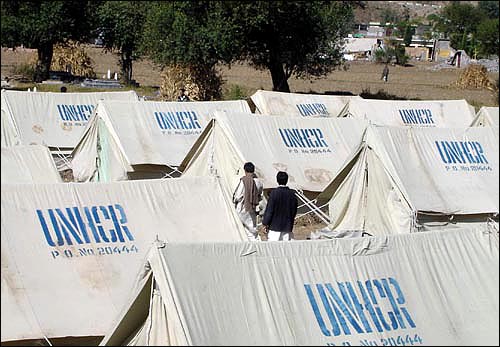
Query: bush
pixel 26 70
pixel 236 92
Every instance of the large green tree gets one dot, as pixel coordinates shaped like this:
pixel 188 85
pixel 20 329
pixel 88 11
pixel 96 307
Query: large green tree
pixel 459 22
pixel 286 38
pixel 41 24
pixel 121 24
pixel 487 37
pixel 293 38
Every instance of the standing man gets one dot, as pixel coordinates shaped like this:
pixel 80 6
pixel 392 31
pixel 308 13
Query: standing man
pixel 246 198
pixel 280 211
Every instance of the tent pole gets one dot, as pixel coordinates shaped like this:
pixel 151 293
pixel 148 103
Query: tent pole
pixel 313 208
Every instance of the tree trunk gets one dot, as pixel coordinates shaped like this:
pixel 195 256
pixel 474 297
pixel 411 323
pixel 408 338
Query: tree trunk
pixel 126 65
pixel 280 81
pixel 45 52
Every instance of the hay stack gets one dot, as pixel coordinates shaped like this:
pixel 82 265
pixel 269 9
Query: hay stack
pixel 200 84
pixel 74 55
pixel 174 78
pixel 475 76
pixel 70 55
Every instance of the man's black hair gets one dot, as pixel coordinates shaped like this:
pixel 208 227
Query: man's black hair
pixel 249 167
pixel 282 178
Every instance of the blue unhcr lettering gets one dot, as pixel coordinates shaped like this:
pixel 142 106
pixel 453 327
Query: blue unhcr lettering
pixel 75 112
pixel 177 120
pixel 416 116
pixel 312 109
pixel 303 138
pixel 315 308
pixel 68 226
pixel 356 312
pixel 462 152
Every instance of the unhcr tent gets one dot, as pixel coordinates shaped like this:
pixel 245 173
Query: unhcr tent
pixel 28 164
pixel 299 105
pixel 486 116
pixel 56 120
pixel 413 179
pixel 428 113
pixel 70 252
pixel 312 151
pixel 137 140
pixel 422 289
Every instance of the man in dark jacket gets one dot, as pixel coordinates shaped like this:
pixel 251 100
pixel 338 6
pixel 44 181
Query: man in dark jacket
pixel 280 211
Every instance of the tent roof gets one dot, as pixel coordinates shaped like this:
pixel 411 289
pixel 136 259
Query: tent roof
pixel 450 171
pixel 28 164
pixel 73 265
pixel 53 119
pixel 299 105
pixel 425 113
pixel 487 116
pixel 148 132
pixel 318 292
pixel 311 150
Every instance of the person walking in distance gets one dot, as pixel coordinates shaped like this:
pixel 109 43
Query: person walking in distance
pixel 246 197
pixel 385 73
pixel 281 210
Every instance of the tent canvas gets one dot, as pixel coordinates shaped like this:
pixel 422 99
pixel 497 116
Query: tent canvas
pixel 133 139
pixel 299 105
pixel 56 120
pixel 28 164
pixel 487 116
pixel 421 289
pixel 411 179
pixel 70 252
pixel 311 150
pixel 425 113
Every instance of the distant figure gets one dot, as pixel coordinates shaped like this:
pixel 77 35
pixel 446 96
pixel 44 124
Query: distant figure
pixel 246 198
pixel 385 73
pixel 182 95
pixel 280 211
pixel 63 89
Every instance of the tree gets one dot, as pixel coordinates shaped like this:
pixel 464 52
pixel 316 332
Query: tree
pixel 195 35
pixel 293 38
pixel 121 24
pixel 459 22
pixel 41 24
pixel 489 8
pixel 487 37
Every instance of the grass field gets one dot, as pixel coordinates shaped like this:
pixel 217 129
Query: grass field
pixel 241 80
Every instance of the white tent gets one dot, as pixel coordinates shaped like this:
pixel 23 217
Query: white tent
pixel 428 113
pixel 312 151
pixel 28 164
pixel 417 289
pixel 487 116
pixel 70 252
pixel 56 120
pixel 128 140
pixel 412 179
pixel 299 105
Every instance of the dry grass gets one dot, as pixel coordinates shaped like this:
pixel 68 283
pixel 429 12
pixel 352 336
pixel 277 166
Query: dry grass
pixel 413 82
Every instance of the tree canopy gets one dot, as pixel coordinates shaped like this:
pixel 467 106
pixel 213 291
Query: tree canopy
pixel 121 25
pixel 287 38
pixel 41 24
